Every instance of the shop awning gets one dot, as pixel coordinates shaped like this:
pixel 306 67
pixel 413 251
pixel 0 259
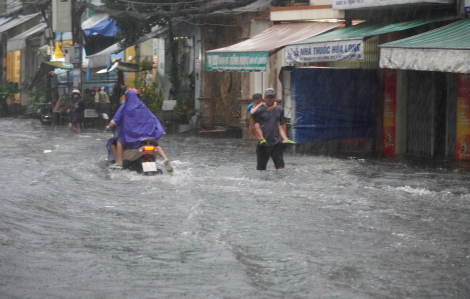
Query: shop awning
pixel 46 68
pixel 121 66
pixel 18 42
pixel 101 59
pixel 345 43
pixel 4 20
pixel 446 49
pixel 252 54
pixel 17 21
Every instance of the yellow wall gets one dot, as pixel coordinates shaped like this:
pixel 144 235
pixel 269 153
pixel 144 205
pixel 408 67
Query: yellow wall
pixel 59 48
pixel 130 52
pixel 13 65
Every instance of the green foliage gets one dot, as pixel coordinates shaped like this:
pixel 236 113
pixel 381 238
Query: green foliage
pixel 37 94
pixel 146 65
pixel 131 29
pixel 151 97
pixel 148 92
pixel 8 90
pixel 184 95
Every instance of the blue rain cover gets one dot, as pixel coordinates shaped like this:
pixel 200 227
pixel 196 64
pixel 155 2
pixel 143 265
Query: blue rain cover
pixel 333 104
pixel 136 122
pixel 106 28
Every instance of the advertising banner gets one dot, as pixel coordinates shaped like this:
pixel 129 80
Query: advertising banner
pixel 331 51
pixel 249 61
pixel 77 55
pixel 77 79
pixel 463 117
pixel 59 48
pixel 390 104
pixel 351 4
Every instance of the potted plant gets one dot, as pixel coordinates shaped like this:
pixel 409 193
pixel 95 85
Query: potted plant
pixel 184 109
pixel 7 90
pixel 183 113
pixel 149 94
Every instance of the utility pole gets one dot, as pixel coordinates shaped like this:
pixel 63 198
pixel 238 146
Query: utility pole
pixel 66 17
pixel 77 39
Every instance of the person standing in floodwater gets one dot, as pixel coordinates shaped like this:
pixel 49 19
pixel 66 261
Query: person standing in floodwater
pixel 269 123
pixel 76 111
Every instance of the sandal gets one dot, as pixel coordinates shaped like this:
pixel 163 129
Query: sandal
pixel 115 166
pixel 263 142
pixel 288 142
pixel 167 165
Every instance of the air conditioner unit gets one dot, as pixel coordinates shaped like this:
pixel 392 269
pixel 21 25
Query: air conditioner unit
pixel 62 15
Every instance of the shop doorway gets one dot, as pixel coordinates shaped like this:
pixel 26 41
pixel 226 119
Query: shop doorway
pixel 427 128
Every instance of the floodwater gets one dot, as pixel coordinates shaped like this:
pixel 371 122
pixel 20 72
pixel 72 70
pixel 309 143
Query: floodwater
pixel 325 227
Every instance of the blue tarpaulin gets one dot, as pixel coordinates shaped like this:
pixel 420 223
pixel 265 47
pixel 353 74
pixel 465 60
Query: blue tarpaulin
pixel 106 27
pixel 333 104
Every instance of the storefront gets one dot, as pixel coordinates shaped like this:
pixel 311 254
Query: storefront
pixel 257 60
pixel 14 35
pixel 433 92
pixel 347 50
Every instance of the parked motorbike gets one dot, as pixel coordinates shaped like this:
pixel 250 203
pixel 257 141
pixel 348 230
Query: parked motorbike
pixel 142 159
pixel 45 113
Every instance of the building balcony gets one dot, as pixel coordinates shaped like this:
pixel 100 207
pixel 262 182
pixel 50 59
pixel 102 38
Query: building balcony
pixel 304 10
pixel 288 3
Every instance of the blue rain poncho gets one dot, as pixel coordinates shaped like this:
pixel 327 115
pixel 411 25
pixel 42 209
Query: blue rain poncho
pixel 136 122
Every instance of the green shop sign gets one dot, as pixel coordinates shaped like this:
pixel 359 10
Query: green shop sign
pixel 242 62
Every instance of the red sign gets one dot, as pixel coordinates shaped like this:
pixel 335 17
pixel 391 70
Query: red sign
pixel 463 117
pixel 390 103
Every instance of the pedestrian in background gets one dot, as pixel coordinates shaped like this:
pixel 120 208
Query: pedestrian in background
pixel 76 111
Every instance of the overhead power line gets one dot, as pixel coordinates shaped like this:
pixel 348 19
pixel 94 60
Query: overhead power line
pixel 159 4
pixel 173 13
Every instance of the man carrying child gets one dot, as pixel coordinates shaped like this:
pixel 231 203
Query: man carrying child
pixel 270 119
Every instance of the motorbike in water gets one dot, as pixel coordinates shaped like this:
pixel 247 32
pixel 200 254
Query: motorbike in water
pixel 45 114
pixel 142 159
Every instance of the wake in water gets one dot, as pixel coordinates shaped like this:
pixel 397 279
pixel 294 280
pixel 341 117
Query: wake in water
pixel 323 227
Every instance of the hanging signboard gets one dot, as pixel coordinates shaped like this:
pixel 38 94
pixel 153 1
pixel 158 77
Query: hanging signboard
pixel 390 103
pixel 331 51
pixel 77 57
pixel 351 4
pixel 244 61
pixel 467 6
pixel 463 117
pixel 155 53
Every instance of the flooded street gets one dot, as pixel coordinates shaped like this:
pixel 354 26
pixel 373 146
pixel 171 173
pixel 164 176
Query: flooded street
pixel 325 227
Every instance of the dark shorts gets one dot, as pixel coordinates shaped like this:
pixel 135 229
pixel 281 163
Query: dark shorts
pixel 263 153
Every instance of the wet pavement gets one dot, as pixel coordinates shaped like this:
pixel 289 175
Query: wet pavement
pixel 325 227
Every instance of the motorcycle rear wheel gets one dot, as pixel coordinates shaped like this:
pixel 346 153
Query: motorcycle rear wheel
pixel 45 120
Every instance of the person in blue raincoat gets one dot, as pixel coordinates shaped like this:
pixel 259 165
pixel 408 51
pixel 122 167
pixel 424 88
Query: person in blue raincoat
pixel 132 123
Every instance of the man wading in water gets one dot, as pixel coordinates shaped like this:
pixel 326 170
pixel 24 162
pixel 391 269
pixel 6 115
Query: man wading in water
pixel 269 122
